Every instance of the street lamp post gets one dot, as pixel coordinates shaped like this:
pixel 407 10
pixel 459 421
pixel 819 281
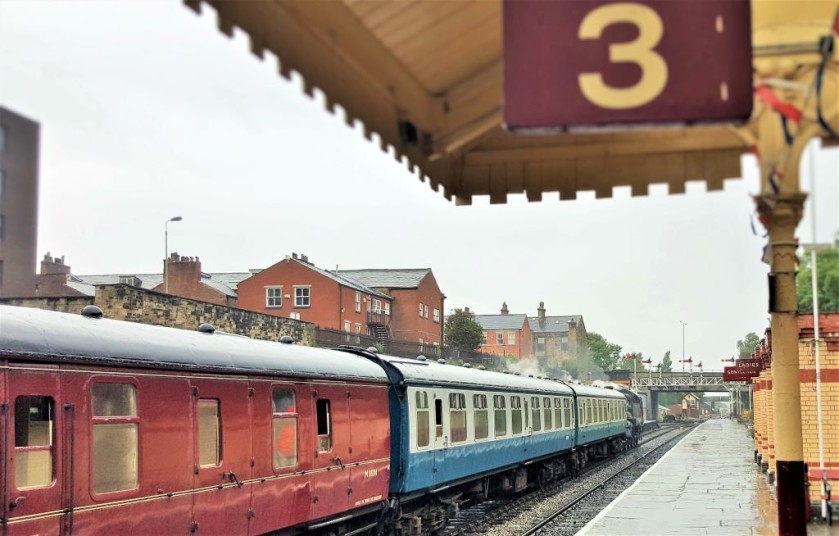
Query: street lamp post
pixel 166 254
pixel 683 344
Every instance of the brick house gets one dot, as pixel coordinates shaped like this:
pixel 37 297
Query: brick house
pixel 506 334
pixel 417 301
pixel 557 338
pixel 296 288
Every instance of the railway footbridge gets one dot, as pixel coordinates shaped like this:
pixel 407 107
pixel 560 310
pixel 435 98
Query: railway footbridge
pixel 653 383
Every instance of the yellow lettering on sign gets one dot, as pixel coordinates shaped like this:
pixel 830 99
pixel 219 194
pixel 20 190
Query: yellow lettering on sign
pixel 653 67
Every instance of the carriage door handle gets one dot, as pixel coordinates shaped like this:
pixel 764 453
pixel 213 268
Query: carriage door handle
pixel 232 476
pixel 337 461
pixel 17 502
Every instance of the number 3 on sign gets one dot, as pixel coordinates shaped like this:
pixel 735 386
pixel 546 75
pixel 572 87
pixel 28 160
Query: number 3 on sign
pixel 640 51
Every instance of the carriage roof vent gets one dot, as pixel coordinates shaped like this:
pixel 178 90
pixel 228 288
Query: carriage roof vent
pixel 91 311
pixel 467 365
pixel 517 373
pixel 481 367
pixel 285 339
pixel 206 328
pixel 441 361
pixel 530 375
pixel 421 358
pixel 507 372
pixel 372 349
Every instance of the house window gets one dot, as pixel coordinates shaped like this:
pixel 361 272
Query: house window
pixel 273 296
pixel 377 306
pixel 499 338
pixel 34 433
pixel 499 404
pixel 564 343
pixel 284 428
pixel 423 415
pixel 302 296
pixel 324 425
pixel 481 416
pixel 295 316
pixel 540 344
pixel 209 433
pixel 358 329
pixel 436 315
pixel 115 437
pixel 357 302
pixel 425 311
pixel 484 338
pixel 511 337
pixel 347 326
pixel 457 416
pixel 420 309
pixel 387 308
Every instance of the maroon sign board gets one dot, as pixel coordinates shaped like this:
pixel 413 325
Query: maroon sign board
pixel 743 370
pixel 596 63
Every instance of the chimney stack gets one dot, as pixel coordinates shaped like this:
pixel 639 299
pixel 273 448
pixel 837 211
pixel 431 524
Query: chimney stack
pixel 504 310
pixel 541 312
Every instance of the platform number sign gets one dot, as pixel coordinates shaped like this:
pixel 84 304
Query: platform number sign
pixel 570 63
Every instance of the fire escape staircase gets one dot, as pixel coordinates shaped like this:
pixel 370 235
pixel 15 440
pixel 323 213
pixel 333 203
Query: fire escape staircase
pixel 379 325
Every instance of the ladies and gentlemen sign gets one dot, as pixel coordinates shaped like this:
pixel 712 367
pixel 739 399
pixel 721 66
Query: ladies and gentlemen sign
pixel 743 370
pixel 582 63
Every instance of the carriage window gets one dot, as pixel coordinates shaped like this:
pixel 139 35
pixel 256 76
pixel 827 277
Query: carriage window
pixel 558 413
pixel 209 433
pixel 34 435
pixel 115 437
pixel 499 403
pixel 548 413
pixel 481 416
pixel 515 405
pixel 423 416
pixel 284 427
pixel 537 417
pixel 569 417
pixel 324 425
pixel 457 416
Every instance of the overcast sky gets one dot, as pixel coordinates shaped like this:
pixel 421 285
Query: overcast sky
pixel 148 112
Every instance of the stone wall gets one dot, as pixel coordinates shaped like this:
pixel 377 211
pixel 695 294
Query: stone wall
pixel 123 302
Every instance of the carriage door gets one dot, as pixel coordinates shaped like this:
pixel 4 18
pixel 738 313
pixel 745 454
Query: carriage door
pixel 331 476
pixel 33 463
pixel 222 457
pixel 441 437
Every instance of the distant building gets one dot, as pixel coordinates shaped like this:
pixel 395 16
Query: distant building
pixel 506 334
pixel 557 338
pixel 296 288
pixel 417 301
pixel 19 147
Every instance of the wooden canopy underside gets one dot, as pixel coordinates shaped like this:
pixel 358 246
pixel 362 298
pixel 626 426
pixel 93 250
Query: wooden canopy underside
pixel 426 78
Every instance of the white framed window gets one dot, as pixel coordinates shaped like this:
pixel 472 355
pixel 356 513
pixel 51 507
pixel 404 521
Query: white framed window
pixel 273 297
pixel 436 314
pixel 484 338
pixel 357 302
pixel 377 306
pixel 295 316
pixel 499 338
pixel 511 337
pixel 358 329
pixel 302 296
pixel 387 308
pixel 347 326
pixel 425 311
pixel 420 309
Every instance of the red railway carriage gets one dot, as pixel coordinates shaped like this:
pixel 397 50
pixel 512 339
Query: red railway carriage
pixel 111 427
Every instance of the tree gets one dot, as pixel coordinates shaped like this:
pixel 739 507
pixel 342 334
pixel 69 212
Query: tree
pixel 604 354
pixel 747 345
pixel 666 362
pixel 462 331
pixel 827 280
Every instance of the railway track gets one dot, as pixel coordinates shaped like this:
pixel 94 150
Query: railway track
pixel 539 510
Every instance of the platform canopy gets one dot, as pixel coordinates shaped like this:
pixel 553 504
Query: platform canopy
pixel 426 78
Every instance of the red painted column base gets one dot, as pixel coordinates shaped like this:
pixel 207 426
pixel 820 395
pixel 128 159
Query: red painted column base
pixel 792 499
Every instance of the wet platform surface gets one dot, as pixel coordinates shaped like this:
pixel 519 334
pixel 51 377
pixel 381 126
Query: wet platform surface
pixel 707 484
